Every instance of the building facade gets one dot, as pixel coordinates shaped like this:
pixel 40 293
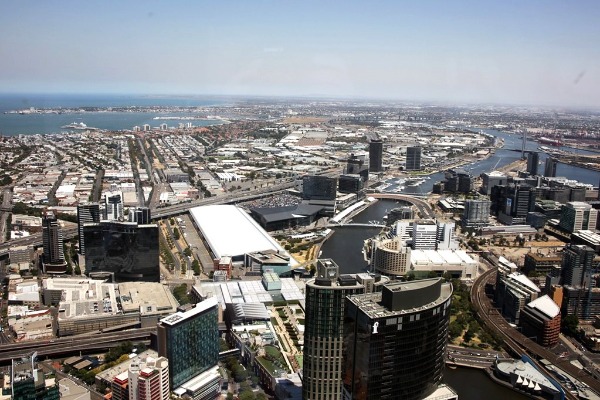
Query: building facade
pixel 124 250
pixel 376 155
pixel 190 341
pixel 577 215
pixel 395 340
pixel 86 213
pixel 52 239
pixel 324 331
pixel 413 158
pixel 476 214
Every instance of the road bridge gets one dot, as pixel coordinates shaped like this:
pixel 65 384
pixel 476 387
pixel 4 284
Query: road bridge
pixel 423 207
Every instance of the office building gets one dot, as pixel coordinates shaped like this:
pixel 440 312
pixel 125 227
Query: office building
pixel 577 216
pixel 413 158
pixel 320 191
pixel 476 213
pixel 541 319
pixel 350 184
pixel 550 167
pixel 124 251
pixel 316 187
pixel 511 203
pixel 533 159
pixel 395 340
pixel 324 331
pixel 513 291
pixel 399 213
pixel 87 213
pixel 29 383
pixel 424 234
pixel 376 155
pixel 458 181
pixel 113 206
pixel 581 301
pixel 577 263
pixel 491 179
pixel 52 239
pixel 355 165
pixel 540 265
pixel 190 341
pixel 141 215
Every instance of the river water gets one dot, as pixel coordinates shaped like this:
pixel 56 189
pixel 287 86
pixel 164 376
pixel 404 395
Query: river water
pixel 345 248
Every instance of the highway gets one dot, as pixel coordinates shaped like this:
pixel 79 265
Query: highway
pixel 515 340
pixel 72 345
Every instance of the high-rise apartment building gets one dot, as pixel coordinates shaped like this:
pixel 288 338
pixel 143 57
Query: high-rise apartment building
pixel 376 155
pixel 86 213
pixel 413 158
pixel 52 239
pixel 149 379
pixel 190 341
pixel 476 214
pixel 125 250
pixel 394 341
pixel 324 331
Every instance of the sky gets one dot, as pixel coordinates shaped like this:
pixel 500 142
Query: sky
pixel 509 52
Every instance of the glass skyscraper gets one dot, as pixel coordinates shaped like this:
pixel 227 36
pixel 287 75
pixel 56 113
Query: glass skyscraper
pixel 126 250
pixel 324 331
pixel 394 341
pixel 190 341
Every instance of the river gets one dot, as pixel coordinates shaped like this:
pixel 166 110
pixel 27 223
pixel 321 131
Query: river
pixel 345 248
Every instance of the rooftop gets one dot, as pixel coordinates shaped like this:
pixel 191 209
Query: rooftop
pixel 178 317
pixel 545 305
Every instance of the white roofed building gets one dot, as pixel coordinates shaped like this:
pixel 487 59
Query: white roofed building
pixel 230 231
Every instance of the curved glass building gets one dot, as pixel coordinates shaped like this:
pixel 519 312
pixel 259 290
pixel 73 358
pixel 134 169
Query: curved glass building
pixel 394 341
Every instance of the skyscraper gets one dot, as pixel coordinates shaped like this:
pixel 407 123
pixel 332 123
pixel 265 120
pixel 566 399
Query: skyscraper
pixel 395 340
pixel 126 250
pixel 324 331
pixel 577 262
pixel 52 238
pixel 413 158
pixel 316 187
pixel 376 155
pixel 86 213
pixel 142 216
pixel 533 159
pixel 190 341
pixel 113 206
pixel 550 167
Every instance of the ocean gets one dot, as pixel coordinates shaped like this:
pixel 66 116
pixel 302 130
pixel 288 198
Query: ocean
pixel 18 124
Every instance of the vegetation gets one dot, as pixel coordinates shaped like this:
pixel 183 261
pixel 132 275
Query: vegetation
pixel 570 325
pixel 181 294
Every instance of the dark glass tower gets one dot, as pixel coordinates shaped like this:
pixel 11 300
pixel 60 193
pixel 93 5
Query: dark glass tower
pixel 413 158
pixel 315 187
pixel 324 332
pixel 394 341
pixel 376 155
pixel 126 250
pixel 86 214
pixel 533 159
pixel 190 341
pixel 52 238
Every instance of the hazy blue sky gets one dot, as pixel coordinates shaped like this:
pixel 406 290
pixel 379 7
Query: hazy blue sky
pixel 540 52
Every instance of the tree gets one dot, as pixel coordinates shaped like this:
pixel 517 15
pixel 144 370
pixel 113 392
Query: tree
pixel 187 251
pixel 570 325
pixel 176 234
